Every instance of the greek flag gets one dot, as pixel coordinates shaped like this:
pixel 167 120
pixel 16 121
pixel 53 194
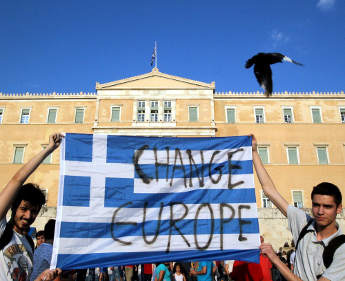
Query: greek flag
pixel 133 200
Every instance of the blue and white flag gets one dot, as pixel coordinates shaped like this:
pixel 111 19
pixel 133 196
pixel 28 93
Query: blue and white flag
pixel 133 200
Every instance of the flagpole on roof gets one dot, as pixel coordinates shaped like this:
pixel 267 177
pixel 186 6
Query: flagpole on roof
pixel 156 54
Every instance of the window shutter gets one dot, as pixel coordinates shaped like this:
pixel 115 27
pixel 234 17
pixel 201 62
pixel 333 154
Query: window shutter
pixel 292 151
pixel 316 115
pixel 230 115
pixel 18 155
pixel 263 154
pixel 115 114
pixel 193 114
pixel 322 155
pixel 79 115
pixel 52 115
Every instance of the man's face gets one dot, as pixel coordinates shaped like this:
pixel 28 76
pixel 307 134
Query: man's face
pixel 25 215
pixel 325 210
pixel 40 239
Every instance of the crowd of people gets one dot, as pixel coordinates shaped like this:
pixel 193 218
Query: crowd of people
pixel 318 253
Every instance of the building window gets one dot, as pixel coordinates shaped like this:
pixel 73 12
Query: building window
pixel 48 159
pixel 297 197
pixel 115 113
pixel 259 115
pixel 18 154
pixel 322 155
pixel 79 115
pixel 292 153
pixel 25 116
pixel 287 115
pixel 230 115
pixel 266 202
pixel 193 113
pixel 154 111
pixel 342 114
pixel 167 111
pixel 1 114
pixel 141 111
pixel 263 153
pixel 52 115
pixel 316 115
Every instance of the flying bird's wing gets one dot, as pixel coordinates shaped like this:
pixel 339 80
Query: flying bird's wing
pixel 253 60
pixel 263 74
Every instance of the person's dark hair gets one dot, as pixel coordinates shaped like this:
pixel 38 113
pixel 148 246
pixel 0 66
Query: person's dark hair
pixel 49 229
pixel 29 192
pixel 39 233
pixel 327 188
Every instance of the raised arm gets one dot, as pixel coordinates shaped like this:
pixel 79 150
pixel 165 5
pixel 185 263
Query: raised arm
pixel 266 181
pixel 9 192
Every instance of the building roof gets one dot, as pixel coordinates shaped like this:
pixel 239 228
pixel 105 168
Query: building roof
pixel 155 80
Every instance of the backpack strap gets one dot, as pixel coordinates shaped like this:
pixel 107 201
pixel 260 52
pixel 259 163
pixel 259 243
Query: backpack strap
pixel 303 232
pixel 6 235
pixel 332 246
pixel 31 242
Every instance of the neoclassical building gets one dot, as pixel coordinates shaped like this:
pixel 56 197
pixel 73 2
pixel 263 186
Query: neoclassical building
pixel 301 135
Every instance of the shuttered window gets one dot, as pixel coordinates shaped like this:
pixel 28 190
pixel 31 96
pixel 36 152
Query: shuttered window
pixel 316 113
pixel 115 114
pixel 292 155
pixel 263 153
pixel 52 115
pixel 79 115
pixel 193 114
pixel 18 155
pixel 230 115
pixel 322 155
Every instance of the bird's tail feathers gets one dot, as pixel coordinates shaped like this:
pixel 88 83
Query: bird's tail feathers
pixel 291 60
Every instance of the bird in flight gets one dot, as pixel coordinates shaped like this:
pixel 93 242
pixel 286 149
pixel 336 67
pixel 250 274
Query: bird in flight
pixel 262 69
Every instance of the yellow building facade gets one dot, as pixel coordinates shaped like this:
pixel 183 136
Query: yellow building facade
pixel 301 136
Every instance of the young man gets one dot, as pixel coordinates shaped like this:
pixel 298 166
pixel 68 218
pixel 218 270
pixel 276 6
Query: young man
pixel 326 204
pixel 40 238
pixel 25 202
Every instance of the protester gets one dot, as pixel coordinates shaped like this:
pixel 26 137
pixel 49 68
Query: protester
pixel 246 271
pixel 146 271
pixel 40 238
pixel 178 274
pixel 162 272
pixel 25 202
pixel 326 204
pixel 43 254
pixel 203 271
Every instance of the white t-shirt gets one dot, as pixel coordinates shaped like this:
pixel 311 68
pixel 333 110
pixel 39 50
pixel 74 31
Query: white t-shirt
pixel 178 277
pixel 16 257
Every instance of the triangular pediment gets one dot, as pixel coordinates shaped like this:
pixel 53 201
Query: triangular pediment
pixel 155 80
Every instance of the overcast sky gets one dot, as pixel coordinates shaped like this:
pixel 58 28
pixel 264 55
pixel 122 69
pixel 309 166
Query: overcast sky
pixel 66 46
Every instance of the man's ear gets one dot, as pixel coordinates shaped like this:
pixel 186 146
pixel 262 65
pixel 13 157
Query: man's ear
pixel 339 208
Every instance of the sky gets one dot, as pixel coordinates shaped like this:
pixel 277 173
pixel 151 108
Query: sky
pixel 66 46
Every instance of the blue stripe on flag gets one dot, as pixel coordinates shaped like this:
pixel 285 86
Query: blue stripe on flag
pixel 103 230
pixel 114 259
pixel 120 149
pixel 76 191
pixel 118 197
pixel 84 144
pixel 237 168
